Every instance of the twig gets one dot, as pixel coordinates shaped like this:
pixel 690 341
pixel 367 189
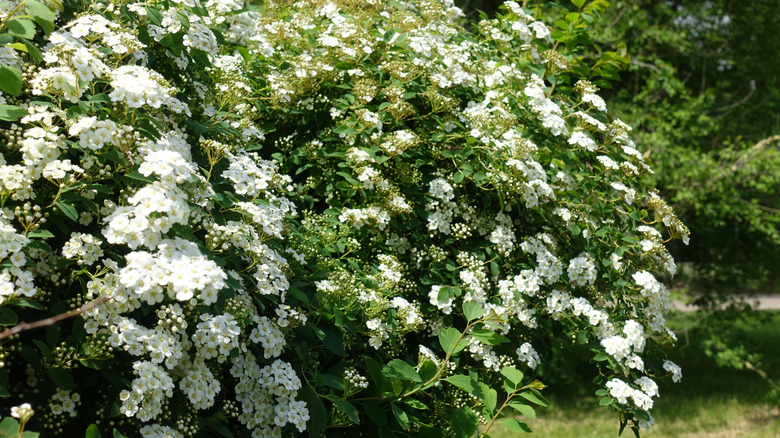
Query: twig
pixel 24 326
pixel 646 65
pixel 727 109
pixel 614 22
pixel 758 206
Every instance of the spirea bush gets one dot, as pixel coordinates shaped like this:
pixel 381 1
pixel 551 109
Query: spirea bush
pixel 332 217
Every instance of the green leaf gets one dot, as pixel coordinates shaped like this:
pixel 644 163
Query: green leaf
pixel 601 357
pixel 515 426
pixel 44 349
pixel 399 369
pixel 374 412
pixel 428 371
pixel 8 317
pixel 522 408
pixel 9 427
pixel 333 342
pixel 4 383
pixel 489 337
pixel 34 51
pixel 154 15
pixel 42 15
pixel 534 397
pixel 466 383
pixel 215 423
pixel 447 292
pixel 490 397
pixel 21 27
pixel 513 375
pixel 183 19
pixel 11 83
pixel 464 422
pixel 472 310
pixel 11 113
pixel 40 234
pixel 578 3
pixel 416 404
pixel 334 382
pixel 92 432
pixel 30 304
pixel 400 415
pixel 448 338
pixel 118 434
pixel 62 378
pixel 349 409
pixel 319 417
pixel 68 209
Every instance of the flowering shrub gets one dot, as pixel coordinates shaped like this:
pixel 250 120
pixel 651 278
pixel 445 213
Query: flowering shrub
pixel 339 217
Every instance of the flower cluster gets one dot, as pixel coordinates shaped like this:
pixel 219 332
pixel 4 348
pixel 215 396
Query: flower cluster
pixel 459 211
pixel 122 201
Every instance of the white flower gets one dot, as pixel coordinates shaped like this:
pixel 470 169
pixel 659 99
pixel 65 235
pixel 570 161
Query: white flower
pixel 674 369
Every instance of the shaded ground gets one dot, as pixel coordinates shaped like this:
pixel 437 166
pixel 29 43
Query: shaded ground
pixel 765 302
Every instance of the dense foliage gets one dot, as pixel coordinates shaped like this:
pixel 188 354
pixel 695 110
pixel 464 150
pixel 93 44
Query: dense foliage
pixel 339 217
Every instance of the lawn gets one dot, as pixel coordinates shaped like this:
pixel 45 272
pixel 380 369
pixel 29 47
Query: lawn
pixel 710 401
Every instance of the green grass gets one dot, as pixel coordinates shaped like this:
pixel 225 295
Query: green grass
pixel 710 401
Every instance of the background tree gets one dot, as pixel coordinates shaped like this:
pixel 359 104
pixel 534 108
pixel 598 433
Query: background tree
pixel 702 91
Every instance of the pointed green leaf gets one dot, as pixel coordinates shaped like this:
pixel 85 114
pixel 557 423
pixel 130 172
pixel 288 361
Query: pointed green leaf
pixel 349 409
pixel 489 337
pixel 416 404
pixel 490 398
pixel 40 234
pixel 8 317
pixel 534 397
pixel 466 383
pixel 11 113
pixel 399 369
pixel 21 27
pixel 92 431
pixel 34 51
pixel 522 408
pixel 428 371
pixel 515 426
pixel 68 209
pixel 11 83
pixel 401 416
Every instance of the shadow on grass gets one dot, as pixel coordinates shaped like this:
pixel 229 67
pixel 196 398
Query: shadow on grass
pixel 710 401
